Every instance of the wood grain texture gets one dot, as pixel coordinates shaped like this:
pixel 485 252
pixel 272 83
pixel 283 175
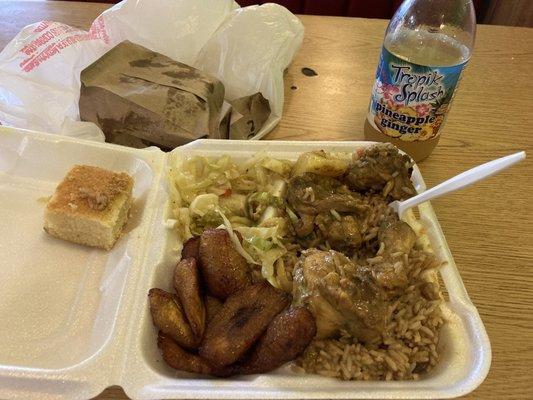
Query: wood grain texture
pixel 489 227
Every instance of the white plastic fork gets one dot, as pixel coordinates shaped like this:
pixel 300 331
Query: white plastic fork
pixel 459 181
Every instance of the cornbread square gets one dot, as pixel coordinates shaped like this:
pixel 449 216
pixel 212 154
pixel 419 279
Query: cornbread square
pixel 90 206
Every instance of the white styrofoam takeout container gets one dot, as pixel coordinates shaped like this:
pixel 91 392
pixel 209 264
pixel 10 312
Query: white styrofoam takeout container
pixel 74 320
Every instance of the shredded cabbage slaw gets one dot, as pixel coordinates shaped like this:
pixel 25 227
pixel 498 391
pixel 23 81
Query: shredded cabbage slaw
pixel 246 198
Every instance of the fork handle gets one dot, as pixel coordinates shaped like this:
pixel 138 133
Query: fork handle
pixel 463 180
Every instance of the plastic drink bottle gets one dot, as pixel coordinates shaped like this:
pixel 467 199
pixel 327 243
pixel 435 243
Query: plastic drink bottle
pixel 427 45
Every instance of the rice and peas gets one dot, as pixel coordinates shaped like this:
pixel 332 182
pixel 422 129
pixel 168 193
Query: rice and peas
pixel 409 344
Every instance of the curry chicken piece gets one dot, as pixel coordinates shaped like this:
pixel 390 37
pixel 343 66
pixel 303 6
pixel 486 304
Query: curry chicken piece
pixel 326 206
pixel 341 232
pixel 340 294
pixel 398 238
pixel 343 294
pixel 382 168
pixel 314 194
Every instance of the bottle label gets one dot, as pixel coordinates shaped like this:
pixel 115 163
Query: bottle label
pixel 410 101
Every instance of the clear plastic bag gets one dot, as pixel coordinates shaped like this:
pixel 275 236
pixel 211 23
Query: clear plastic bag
pixel 246 48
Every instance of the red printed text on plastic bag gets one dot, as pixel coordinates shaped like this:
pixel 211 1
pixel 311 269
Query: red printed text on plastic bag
pixel 54 37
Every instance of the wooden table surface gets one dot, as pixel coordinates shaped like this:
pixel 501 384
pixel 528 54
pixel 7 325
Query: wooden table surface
pixel 489 227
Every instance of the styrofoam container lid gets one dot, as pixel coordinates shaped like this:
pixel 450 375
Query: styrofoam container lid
pixel 75 320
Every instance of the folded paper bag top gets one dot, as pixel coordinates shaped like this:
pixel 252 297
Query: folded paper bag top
pixel 133 92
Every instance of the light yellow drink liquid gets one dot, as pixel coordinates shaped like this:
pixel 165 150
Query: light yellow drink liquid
pixel 416 79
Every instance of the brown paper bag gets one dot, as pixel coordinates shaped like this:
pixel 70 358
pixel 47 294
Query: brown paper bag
pixel 251 113
pixel 137 95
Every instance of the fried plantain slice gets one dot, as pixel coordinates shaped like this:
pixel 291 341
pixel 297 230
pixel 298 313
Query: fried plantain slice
pixel 224 270
pixel 180 359
pixel 187 285
pixel 212 307
pixel 241 321
pixel 168 316
pixel 191 248
pixel 286 337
